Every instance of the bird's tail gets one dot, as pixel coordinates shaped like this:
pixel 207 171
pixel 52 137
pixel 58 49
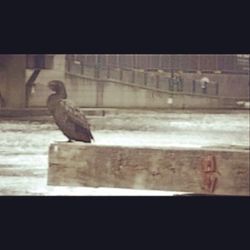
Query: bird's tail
pixel 91 136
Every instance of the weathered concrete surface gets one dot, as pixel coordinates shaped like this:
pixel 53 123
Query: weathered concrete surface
pixel 92 92
pixel 12 80
pixel 208 171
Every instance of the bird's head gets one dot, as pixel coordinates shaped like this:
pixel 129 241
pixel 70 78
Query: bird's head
pixel 58 87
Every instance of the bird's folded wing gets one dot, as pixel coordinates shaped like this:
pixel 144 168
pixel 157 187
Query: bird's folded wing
pixel 74 114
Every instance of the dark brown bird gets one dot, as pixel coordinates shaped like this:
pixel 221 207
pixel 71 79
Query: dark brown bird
pixel 70 120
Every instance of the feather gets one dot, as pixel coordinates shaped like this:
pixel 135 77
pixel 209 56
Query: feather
pixel 68 117
pixel 74 114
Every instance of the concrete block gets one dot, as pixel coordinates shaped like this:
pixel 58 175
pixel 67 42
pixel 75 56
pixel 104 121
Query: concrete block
pixel 207 171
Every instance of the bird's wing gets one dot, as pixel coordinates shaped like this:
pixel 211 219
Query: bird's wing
pixel 74 114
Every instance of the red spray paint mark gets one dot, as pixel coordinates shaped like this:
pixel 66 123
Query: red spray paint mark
pixel 209 173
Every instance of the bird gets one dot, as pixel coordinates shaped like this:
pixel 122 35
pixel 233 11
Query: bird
pixel 69 118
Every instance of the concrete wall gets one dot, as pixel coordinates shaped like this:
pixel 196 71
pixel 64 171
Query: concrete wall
pixel 107 93
pixel 88 91
pixel 208 171
pixel 230 85
pixel 12 80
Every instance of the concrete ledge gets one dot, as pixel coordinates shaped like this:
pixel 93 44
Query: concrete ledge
pixel 203 171
pixel 11 112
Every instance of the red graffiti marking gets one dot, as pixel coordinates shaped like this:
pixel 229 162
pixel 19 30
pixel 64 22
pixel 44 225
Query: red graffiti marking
pixel 209 173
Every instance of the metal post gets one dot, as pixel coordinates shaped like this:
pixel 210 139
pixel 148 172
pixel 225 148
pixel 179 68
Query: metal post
pixel 97 66
pixel 249 70
pixel 160 62
pixel 194 86
pixel 157 81
pixel 133 69
pixel 180 84
pixel 68 64
pixel 117 61
pixel 82 65
pixel 108 71
pixel 216 62
pixel 170 84
pixel 171 66
pixel 145 77
pixel 199 62
pixel 108 66
pixel 217 88
pixel 133 75
pixel 121 74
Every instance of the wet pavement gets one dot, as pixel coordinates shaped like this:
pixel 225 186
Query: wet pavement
pixel 24 145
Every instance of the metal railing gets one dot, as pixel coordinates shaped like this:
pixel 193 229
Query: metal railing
pixel 230 64
pixel 151 78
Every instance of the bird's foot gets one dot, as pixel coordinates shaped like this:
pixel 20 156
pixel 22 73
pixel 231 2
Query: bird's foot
pixel 69 140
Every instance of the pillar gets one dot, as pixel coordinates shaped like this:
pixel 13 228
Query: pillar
pixel 12 80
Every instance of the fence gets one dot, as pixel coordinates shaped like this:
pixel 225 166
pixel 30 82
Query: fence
pixel 237 64
pixel 148 78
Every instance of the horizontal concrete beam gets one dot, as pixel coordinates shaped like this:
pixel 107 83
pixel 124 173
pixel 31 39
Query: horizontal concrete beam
pixel 203 171
pixel 11 112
